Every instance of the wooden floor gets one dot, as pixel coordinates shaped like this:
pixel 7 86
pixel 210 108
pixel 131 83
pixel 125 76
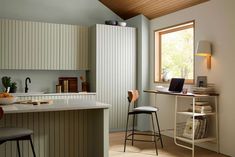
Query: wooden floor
pixel 147 149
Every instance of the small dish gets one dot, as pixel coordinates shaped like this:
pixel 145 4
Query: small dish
pixel 8 100
pixel 111 22
pixel 121 23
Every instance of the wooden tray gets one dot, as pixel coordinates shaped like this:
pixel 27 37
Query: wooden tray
pixel 35 102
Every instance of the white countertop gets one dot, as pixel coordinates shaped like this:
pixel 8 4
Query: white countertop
pixel 58 105
pixel 50 94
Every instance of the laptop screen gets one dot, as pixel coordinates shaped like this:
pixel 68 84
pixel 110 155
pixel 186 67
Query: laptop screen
pixel 176 85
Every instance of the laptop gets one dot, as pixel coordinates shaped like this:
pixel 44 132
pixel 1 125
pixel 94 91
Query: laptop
pixel 176 85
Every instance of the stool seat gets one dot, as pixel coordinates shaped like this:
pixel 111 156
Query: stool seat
pixel 145 109
pixel 13 133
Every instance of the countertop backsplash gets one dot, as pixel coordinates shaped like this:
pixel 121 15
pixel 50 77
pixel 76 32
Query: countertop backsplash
pixel 41 80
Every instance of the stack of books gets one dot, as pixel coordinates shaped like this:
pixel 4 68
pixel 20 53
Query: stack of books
pixel 210 89
pixel 200 128
pixel 201 107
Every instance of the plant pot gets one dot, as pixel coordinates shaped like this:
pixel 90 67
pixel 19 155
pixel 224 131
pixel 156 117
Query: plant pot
pixel 13 90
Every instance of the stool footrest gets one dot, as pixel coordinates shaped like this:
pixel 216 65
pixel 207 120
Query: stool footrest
pixel 140 140
pixel 146 134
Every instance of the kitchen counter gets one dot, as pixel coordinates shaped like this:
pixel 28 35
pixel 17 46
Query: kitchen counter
pixel 68 127
pixel 51 94
pixel 58 105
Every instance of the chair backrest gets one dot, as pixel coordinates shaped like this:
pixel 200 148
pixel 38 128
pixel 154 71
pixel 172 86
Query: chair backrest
pixel 133 95
pixel 1 112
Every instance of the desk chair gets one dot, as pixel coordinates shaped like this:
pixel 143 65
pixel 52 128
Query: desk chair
pixel 15 134
pixel 133 96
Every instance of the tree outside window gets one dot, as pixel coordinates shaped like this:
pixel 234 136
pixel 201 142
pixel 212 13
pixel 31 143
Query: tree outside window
pixel 174 53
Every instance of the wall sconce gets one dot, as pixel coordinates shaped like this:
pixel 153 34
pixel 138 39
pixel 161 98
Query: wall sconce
pixel 204 49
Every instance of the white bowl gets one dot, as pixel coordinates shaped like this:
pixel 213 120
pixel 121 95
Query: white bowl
pixel 123 24
pixel 8 100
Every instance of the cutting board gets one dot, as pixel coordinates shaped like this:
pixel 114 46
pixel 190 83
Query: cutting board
pixel 72 83
pixel 35 102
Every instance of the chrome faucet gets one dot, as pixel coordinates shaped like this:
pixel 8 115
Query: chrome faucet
pixel 26 84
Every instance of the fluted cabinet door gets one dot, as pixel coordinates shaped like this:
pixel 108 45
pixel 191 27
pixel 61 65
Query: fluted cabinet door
pixel 42 46
pixel 29 45
pixel 115 69
pixel 68 47
pixel 74 47
pixel 83 41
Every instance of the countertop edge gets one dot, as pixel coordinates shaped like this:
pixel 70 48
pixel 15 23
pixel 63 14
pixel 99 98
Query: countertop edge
pixel 60 105
pixel 53 94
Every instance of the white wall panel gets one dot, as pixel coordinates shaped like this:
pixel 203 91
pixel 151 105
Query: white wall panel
pixel 115 69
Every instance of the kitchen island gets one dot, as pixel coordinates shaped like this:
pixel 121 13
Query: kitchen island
pixel 66 128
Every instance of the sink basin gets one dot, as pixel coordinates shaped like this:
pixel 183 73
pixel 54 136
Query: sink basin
pixel 27 94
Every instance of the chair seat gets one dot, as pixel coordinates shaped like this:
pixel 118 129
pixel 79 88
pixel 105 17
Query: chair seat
pixel 13 133
pixel 145 109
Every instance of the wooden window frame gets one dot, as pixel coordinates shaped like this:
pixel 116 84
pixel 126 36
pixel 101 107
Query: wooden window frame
pixel 157 49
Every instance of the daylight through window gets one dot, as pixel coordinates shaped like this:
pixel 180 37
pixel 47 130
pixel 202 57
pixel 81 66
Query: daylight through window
pixel 174 53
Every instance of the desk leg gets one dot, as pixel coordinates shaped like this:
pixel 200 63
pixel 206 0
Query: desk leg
pixel 217 123
pixel 175 120
pixel 175 127
pixel 193 138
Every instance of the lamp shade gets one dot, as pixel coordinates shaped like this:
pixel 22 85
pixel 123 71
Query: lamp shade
pixel 203 48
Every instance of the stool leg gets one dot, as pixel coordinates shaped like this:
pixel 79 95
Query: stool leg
pixel 18 147
pixel 159 131
pixel 32 146
pixel 133 130
pixel 126 132
pixel 154 134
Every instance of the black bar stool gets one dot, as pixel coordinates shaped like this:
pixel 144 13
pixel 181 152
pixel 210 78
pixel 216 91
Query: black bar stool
pixel 133 96
pixel 15 134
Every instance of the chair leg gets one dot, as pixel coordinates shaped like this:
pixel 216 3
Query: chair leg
pixel 133 130
pixel 154 135
pixel 159 131
pixel 18 147
pixel 31 143
pixel 126 132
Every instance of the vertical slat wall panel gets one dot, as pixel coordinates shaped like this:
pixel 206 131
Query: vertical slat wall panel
pixel 115 69
pixel 42 46
pixel 75 96
pixel 56 134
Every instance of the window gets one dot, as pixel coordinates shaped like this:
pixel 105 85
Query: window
pixel 174 53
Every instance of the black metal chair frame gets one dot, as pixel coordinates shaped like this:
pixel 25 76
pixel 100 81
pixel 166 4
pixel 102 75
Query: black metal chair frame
pixel 22 138
pixel 154 133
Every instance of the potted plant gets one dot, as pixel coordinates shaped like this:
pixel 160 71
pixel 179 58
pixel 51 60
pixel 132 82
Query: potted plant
pixel 13 87
pixel 6 82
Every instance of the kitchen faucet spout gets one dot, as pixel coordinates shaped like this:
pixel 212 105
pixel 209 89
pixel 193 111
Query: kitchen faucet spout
pixel 26 84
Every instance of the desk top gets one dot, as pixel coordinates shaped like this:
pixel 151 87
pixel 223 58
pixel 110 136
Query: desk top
pixel 181 94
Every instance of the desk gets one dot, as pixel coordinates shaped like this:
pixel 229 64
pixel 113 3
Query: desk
pixel 214 114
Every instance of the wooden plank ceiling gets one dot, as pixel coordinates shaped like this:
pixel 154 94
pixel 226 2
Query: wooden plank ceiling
pixel 150 8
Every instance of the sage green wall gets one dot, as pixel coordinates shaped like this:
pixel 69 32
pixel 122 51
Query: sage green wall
pixel 83 12
pixel 142 24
